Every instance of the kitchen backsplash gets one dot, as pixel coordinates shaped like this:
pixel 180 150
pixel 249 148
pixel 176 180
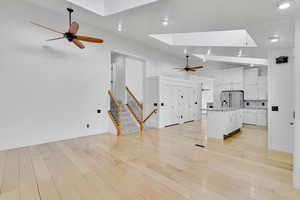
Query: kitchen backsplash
pixel 256 104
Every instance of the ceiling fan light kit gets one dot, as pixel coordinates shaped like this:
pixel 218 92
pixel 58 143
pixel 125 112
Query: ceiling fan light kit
pixel 71 35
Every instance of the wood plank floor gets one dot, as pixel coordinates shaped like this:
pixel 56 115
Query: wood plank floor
pixel 160 164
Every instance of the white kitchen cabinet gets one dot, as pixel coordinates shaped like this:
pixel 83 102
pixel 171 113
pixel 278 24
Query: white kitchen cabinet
pixel 251 92
pixel 262 92
pixel 251 76
pixel 255 117
pixel 221 123
pixel 230 79
pixel 261 119
pixel 178 100
pixel 255 86
pixel 250 117
pixel 262 87
pixel 237 86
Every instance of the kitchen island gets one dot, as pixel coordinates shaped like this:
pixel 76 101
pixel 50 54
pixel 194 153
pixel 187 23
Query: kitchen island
pixel 223 123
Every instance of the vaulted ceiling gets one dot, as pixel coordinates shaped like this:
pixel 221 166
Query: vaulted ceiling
pixel 260 18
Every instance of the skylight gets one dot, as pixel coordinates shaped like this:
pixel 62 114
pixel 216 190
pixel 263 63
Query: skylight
pixel 232 38
pixel 237 60
pixel 109 7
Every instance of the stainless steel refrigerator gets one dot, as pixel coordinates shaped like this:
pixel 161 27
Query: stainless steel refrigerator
pixel 232 99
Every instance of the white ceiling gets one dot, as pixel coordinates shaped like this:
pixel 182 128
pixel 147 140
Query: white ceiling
pixel 260 18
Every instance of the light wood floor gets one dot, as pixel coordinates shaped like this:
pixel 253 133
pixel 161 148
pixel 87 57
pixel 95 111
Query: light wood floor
pixel 159 165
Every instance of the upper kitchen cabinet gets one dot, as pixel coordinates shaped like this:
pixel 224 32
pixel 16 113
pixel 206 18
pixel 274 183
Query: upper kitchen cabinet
pixel 251 92
pixel 255 85
pixel 251 76
pixel 262 88
pixel 230 79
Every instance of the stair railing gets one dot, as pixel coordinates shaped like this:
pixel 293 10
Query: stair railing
pixel 150 115
pixel 137 109
pixel 114 112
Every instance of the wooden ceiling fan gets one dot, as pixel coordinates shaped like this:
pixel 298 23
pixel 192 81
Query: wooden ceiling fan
pixel 189 68
pixel 71 35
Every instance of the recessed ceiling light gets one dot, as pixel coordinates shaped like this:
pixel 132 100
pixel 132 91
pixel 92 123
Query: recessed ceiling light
pixel 274 38
pixel 208 52
pixel 251 65
pixel 185 51
pixel 240 53
pixel 120 27
pixel 202 57
pixel 285 5
pixel 165 21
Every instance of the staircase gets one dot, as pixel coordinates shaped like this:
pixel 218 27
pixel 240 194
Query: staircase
pixel 128 118
pixel 127 123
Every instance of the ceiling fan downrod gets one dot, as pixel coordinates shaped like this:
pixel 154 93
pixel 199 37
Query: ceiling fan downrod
pixel 187 60
pixel 70 10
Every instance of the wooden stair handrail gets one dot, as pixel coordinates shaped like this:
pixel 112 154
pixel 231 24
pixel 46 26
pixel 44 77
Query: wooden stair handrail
pixel 115 101
pixel 115 122
pixel 112 117
pixel 135 99
pixel 152 113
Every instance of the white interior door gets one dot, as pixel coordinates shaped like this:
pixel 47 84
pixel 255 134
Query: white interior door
pixel 165 107
pixel 180 104
pixel 188 109
pixel 196 103
pixel 173 100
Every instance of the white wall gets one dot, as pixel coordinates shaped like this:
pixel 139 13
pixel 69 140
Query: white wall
pixel 135 77
pixel 297 95
pixel 280 93
pixel 51 90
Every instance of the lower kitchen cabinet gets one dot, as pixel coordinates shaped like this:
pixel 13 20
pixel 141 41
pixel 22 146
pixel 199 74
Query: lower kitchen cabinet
pixel 250 117
pixel 255 117
pixel 222 123
pixel 261 118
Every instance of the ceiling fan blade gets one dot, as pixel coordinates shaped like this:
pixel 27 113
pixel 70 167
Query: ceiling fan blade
pixel 50 29
pixel 178 68
pixel 193 70
pixel 78 44
pixel 89 39
pixel 196 67
pixel 59 38
pixel 74 28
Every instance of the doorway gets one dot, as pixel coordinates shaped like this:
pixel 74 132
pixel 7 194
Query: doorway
pixel 127 71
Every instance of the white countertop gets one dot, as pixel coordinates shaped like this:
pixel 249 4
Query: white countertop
pixel 230 109
pixel 222 109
